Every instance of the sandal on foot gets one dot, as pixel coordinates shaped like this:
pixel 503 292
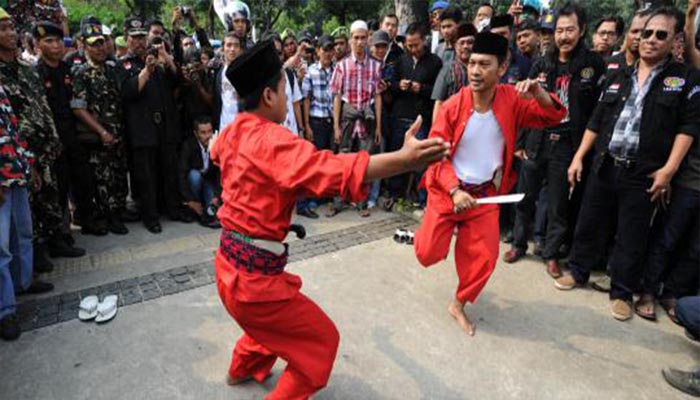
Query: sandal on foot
pixel 645 301
pixel 332 212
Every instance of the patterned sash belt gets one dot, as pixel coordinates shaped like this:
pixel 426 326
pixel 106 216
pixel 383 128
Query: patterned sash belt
pixel 478 191
pixel 242 254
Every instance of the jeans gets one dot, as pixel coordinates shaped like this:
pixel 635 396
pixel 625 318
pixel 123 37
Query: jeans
pixel 678 236
pixel 613 192
pixel 16 257
pixel 688 313
pixel 398 185
pixel 200 187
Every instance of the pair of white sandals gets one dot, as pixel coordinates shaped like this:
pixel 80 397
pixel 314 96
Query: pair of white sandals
pixel 101 311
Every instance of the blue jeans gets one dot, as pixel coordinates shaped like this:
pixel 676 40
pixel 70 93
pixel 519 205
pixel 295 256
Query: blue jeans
pixel 200 187
pixel 16 255
pixel 688 313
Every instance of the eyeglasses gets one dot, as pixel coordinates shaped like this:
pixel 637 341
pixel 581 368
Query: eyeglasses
pixel 660 35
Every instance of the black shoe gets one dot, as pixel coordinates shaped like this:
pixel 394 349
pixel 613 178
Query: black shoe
pixel 9 328
pixel 308 213
pixel 59 248
pixel 686 382
pixel 69 239
pixel 42 264
pixel 538 250
pixel 38 287
pixel 187 217
pixel 129 216
pixel 95 229
pixel 212 223
pixel 154 227
pixel 116 226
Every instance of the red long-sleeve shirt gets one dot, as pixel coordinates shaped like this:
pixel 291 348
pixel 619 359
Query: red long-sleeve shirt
pixel 265 169
pixel 512 114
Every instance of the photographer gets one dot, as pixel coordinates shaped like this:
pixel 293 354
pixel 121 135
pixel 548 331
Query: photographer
pixel 182 14
pixel 152 126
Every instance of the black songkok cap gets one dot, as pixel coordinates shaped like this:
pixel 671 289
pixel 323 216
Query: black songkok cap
pixel 254 68
pixel 466 29
pixel 502 20
pixel 46 29
pixel 490 43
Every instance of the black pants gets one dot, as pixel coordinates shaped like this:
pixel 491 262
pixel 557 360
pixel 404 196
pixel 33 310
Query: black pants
pixel 674 252
pixel 613 191
pixel 323 132
pixel 155 173
pixel 552 166
pixel 75 179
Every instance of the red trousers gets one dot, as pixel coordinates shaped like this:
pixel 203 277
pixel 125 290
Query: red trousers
pixel 294 329
pixel 476 250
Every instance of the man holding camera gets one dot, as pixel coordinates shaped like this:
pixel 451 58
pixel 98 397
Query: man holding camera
pixel 152 126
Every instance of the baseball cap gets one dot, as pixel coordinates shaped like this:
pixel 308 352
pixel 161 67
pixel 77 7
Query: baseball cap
pixel 326 42
pixel 439 5
pixel 379 37
pixel 91 33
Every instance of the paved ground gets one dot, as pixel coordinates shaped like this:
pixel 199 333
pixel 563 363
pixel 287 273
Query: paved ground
pixel 397 341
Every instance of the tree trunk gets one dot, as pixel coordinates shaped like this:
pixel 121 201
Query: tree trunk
pixel 410 11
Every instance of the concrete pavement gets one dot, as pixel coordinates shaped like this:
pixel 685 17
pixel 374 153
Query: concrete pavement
pixel 397 340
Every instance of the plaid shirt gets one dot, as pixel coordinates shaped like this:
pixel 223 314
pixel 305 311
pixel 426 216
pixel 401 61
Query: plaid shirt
pixel 356 82
pixel 316 88
pixel 625 138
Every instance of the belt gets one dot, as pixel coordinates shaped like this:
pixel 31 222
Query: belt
pixel 477 190
pixel 243 252
pixel 623 162
pixel 325 119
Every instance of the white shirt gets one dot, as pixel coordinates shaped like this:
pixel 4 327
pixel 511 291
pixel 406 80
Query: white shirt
pixel 293 96
pixel 479 153
pixel 229 101
pixel 205 157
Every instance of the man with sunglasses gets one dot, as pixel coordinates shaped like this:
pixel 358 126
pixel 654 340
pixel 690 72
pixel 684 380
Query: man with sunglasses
pixel 642 128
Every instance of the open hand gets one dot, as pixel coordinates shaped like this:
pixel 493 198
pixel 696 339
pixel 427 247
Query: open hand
pixel 420 153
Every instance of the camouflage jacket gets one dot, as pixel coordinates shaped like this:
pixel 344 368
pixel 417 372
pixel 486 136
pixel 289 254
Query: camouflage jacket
pixel 96 89
pixel 15 159
pixel 36 126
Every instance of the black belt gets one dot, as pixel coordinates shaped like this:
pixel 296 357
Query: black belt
pixel 623 162
pixel 324 119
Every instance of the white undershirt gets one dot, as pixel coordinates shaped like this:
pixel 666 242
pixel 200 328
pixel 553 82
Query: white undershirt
pixel 479 153
pixel 293 96
pixel 229 101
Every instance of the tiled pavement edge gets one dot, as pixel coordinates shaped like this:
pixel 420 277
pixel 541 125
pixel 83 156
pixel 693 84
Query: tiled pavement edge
pixel 34 314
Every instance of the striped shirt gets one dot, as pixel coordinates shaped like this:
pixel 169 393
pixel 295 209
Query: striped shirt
pixel 356 82
pixel 317 88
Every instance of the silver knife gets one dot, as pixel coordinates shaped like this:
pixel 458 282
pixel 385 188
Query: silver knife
pixel 510 198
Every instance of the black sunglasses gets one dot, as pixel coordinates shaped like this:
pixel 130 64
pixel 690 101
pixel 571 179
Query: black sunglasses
pixel 660 35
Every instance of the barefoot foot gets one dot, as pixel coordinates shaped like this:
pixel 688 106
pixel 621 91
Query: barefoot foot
pixel 456 310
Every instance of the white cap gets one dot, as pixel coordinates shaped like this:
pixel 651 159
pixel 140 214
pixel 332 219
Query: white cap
pixel 358 25
pixel 106 30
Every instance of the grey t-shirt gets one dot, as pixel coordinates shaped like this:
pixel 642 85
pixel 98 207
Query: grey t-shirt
pixel 448 82
pixel 689 173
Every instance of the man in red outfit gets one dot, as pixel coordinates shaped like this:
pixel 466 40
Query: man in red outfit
pixel 264 171
pixel 481 122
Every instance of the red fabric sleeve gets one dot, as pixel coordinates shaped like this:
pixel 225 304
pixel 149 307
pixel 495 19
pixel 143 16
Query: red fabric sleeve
pixel 443 173
pixel 297 166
